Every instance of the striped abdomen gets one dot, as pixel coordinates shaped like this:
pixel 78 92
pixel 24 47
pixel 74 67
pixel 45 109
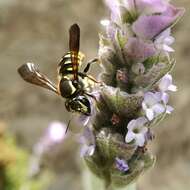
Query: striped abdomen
pixel 66 68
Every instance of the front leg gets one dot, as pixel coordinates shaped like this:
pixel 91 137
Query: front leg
pixel 86 69
pixel 83 75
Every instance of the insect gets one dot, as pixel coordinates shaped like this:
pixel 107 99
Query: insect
pixel 71 82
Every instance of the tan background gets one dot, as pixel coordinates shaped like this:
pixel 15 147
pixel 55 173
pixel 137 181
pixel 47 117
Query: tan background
pixel 37 31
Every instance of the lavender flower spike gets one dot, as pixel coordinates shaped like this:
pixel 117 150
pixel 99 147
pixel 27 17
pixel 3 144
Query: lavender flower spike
pixel 135 57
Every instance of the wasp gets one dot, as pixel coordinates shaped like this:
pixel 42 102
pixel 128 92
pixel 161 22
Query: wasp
pixel 71 82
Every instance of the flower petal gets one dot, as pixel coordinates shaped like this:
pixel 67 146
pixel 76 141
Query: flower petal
pixel 150 26
pixel 165 97
pixel 165 82
pixel 169 109
pixel 151 6
pixel 140 140
pixel 149 114
pixel 172 88
pixel 129 137
pixel 114 7
pixel 137 50
pixel 158 108
pixel 122 165
pixel 151 98
pixel 87 150
pixel 144 130
pixel 131 125
pixel 141 121
pixel 168 48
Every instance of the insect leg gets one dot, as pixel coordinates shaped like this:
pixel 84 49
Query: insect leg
pixel 83 75
pixel 86 69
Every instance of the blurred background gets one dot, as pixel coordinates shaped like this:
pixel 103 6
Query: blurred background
pixel 37 31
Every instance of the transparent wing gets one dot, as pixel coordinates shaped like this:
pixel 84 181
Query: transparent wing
pixel 31 74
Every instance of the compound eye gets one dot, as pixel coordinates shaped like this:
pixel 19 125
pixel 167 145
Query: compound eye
pixel 85 105
pixel 66 88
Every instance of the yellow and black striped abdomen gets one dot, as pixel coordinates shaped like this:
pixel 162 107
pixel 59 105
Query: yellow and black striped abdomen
pixel 66 68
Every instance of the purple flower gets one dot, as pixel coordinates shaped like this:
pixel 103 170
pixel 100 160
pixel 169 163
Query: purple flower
pixel 137 131
pixel 164 40
pixel 114 7
pixel 54 134
pixel 152 106
pixel 121 165
pixel 150 26
pixel 150 6
pixel 165 84
pixel 56 131
pixel 136 6
pixel 138 50
pixel 169 109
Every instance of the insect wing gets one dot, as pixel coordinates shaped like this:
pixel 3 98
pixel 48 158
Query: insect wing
pixel 32 75
pixel 74 45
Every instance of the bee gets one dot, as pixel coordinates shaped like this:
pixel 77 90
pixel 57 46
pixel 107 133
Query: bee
pixel 71 82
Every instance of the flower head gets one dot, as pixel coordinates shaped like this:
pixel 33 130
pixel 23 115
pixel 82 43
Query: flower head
pixel 137 131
